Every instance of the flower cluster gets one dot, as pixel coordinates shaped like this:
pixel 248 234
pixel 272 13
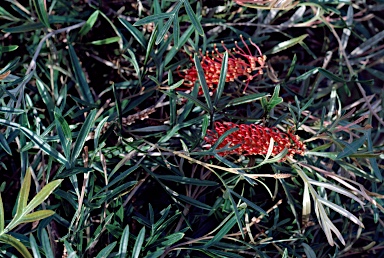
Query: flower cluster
pixel 240 63
pixel 254 140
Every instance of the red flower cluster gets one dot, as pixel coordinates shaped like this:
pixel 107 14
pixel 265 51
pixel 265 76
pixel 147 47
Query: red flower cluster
pixel 254 140
pixel 245 64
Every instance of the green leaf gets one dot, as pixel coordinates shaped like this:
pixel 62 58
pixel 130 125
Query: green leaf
pixel 46 243
pixel 152 18
pixel 135 64
pixel 10 48
pixel 351 148
pixel 223 75
pixel 171 239
pixel 10 110
pixel 138 244
pixel 34 246
pixel 203 82
pixel 41 12
pixel 7 16
pixel 30 26
pixel 82 136
pixel 273 102
pixel 164 30
pixel 187 180
pixel 194 100
pixel 47 98
pixel 194 20
pixel 42 195
pixel 64 133
pixel 37 140
pixel 23 194
pixel 249 203
pixel 194 202
pixel 8 239
pixel 124 243
pixel 106 250
pixel 85 92
pixel 175 49
pixel 135 32
pixel 287 44
pixel 4 144
pixel 308 251
pixel 89 23
pixel 225 229
pixel 37 215
pixel 105 41
pixel 1 215
pixel 247 99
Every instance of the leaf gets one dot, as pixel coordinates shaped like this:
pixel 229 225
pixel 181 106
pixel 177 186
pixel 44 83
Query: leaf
pixel 223 75
pixel 42 195
pixel 287 44
pixel 105 41
pixel 1 215
pixel 8 239
pixel 247 99
pixel 23 194
pixel 37 215
pixel 47 98
pixel 10 110
pixel 171 239
pixel 368 44
pixel 138 244
pixel 82 136
pixel 64 133
pixel 46 243
pixel 194 20
pixel 4 144
pixel 194 202
pixel 89 23
pixel 308 251
pixel 10 48
pixel 37 140
pixel 106 250
pixel 85 92
pixel 41 12
pixel 34 246
pixel 306 205
pixel 187 180
pixel 203 82
pixel 164 30
pixel 152 18
pixel 194 100
pixel 351 148
pixel 225 229
pixel 124 242
pixel 135 32
pixel 341 211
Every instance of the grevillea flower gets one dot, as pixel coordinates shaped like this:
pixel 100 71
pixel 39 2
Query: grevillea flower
pixel 254 140
pixel 240 63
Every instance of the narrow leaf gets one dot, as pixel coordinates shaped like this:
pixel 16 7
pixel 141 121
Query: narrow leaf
pixel 135 32
pixel 138 244
pixel 124 243
pixel 89 23
pixel 82 136
pixel 85 92
pixel 24 193
pixel 10 240
pixel 41 12
pixel 194 20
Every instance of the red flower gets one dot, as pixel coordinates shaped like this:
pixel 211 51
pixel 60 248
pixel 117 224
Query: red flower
pixel 240 63
pixel 254 140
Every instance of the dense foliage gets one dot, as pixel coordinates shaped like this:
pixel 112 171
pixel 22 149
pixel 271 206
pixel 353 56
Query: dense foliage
pixel 191 128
